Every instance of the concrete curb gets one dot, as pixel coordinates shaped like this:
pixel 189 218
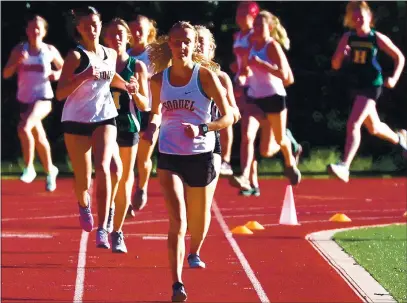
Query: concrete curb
pixel 362 283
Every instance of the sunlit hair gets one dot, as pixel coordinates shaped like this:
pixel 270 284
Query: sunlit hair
pixel 160 54
pixel 351 7
pixel 277 31
pixel 208 33
pixel 74 16
pixel 117 21
pixel 40 18
pixel 152 31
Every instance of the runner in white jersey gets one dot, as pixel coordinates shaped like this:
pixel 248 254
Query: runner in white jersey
pixel 88 117
pixel 246 12
pixel 144 33
pixel 32 62
pixel 182 101
pixel 253 118
pixel 206 46
pixel 266 86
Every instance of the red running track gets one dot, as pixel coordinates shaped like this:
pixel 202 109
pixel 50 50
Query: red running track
pixel 41 242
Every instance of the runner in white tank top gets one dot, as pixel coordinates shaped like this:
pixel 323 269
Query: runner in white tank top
pixel 33 75
pixel 184 104
pixel 182 96
pixel 32 63
pixel 241 46
pixel 92 101
pixel 262 83
pixel 88 117
pixel 266 89
pixel 252 117
pixel 144 32
pixel 245 14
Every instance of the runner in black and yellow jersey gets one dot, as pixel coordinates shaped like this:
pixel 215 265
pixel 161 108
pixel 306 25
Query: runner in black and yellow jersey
pixel 360 47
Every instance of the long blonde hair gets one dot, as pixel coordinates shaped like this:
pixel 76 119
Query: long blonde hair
pixel 277 31
pixel 351 7
pixel 160 54
pixel 152 31
pixel 208 33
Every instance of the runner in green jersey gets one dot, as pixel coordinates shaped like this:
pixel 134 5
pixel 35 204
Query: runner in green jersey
pixel 364 69
pixel 117 36
pixel 128 120
pixel 360 46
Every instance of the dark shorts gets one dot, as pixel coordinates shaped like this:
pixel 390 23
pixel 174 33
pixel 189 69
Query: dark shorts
pixel 218 148
pixel 145 119
pixel 25 107
pixel 84 129
pixel 195 170
pixel 269 105
pixel 373 92
pixel 125 139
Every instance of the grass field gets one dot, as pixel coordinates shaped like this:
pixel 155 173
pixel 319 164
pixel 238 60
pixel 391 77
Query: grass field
pixel 382 251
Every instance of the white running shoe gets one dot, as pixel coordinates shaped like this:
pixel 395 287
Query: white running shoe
pixel 28 175
pixel 340 171
pixel 51 181
pixel 226 169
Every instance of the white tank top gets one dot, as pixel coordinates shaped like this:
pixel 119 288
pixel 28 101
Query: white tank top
pixel 184 104
pixel 262 83
pixel 241 42
pixel 33 73
pixel 143 57
pixel 92 101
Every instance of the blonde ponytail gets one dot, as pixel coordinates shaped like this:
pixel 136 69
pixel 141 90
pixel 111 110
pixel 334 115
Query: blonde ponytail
pixel 152 34
pixel 160 54
pixel 277 31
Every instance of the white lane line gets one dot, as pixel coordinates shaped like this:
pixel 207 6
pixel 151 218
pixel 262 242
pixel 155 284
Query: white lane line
pixel 242 259
pixel 144 221
pixel 38 218
pixel 154 237
pixel 326 220
pixel 145 235
pixel 26 235
pixel 80 271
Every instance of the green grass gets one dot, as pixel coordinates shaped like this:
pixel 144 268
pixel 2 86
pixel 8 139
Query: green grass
pixel 382 251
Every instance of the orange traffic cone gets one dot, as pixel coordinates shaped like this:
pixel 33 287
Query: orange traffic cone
pixel 340 218
pixel 241 230
pixel 288 213
pixel 254 225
